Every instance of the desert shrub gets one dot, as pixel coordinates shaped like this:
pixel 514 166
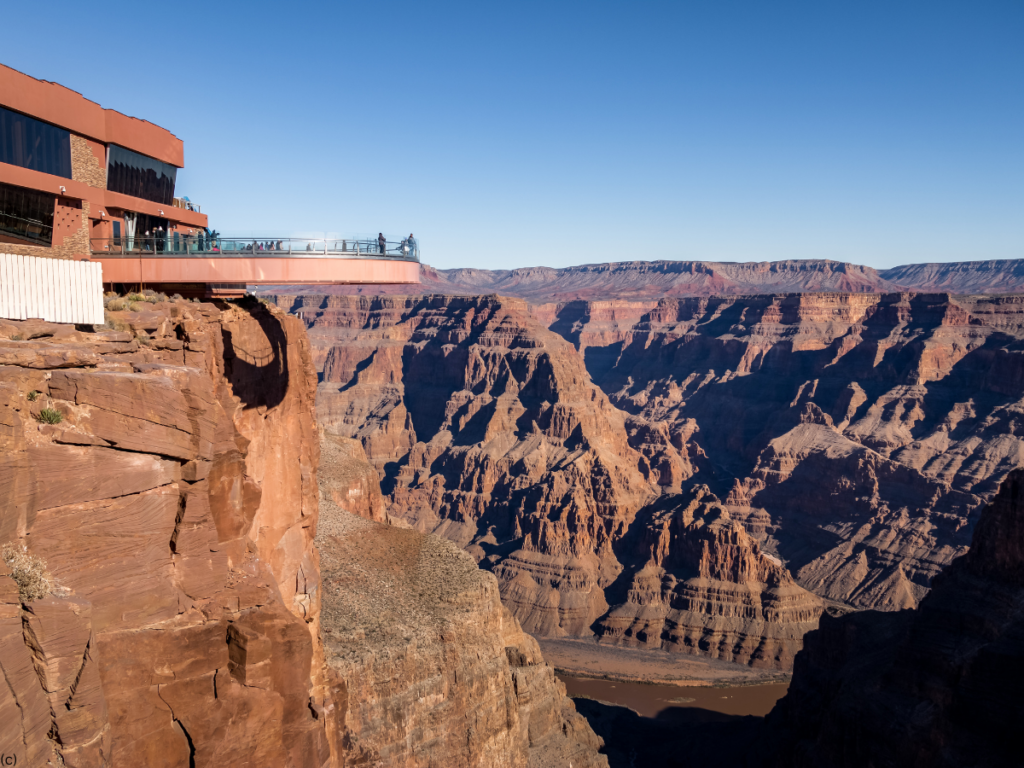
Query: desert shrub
pixel 17 337
pixel 117 304
pixel 177 297
pixel 116 325
pixel 28 571
pixel 50 416
pixel 136 297
pixel 137 306
pixel 32 396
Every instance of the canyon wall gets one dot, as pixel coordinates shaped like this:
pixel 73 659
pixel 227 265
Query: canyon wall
pixel 487 428
pixel 174 501
pixel 937 686
pixel 855 436
pixel 841 443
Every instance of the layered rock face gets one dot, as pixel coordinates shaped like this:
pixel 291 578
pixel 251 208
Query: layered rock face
pixel 175 501
pixel 854 436
pixel 699 582
pixel 488 431
pixel 348 479
pixel 426 667
pixel 487 428
pixel 639 280
pixel 664 279
pixel 936 686
pixel 175 504
pixel 990 276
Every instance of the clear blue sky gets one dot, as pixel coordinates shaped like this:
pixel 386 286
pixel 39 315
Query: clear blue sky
pixel 519 133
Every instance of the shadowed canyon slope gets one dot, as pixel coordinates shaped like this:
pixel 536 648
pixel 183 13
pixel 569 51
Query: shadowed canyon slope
pixel 934 687
pixel 845 442
pixel 663 279
pixel 175 502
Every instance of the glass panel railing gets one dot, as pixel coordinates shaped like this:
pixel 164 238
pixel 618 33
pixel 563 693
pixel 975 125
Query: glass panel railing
pixel 183 246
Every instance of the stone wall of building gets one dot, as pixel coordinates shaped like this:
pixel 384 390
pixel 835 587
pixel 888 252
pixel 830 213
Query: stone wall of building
pixel 87 162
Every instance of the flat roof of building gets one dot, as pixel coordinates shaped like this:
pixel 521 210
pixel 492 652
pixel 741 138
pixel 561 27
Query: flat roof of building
pixel 53 103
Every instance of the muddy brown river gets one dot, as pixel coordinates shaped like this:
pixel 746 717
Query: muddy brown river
pixel 649 700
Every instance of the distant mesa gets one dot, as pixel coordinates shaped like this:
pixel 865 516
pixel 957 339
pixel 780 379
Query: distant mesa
pixel 670 279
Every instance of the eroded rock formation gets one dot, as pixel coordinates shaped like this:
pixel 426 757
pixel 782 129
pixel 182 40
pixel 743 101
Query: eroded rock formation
pixel 937 686
pixel 175 504
pixel 698 581
pixel 487 428
pixel 427 668
pixel 854 436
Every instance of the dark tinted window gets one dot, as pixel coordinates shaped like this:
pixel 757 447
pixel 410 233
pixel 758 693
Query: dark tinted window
pixel 139 176
pixel 34 144
pixel 26 214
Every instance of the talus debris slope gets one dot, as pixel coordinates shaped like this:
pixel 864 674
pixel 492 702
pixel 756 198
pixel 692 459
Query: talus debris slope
pixel 426 666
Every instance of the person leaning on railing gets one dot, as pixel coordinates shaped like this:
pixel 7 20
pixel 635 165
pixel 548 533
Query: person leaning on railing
pixel 410 247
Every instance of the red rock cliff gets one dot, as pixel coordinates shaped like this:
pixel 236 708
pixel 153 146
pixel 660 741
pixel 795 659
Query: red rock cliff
pixel 175 504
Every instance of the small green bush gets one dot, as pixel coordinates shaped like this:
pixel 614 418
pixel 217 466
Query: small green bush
pixel 32 396
pixel 117 304
pixel 29 573
pixel 177 297
pixel 136 297
pixel 153 297
pixel 50 416
pixel 17 337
